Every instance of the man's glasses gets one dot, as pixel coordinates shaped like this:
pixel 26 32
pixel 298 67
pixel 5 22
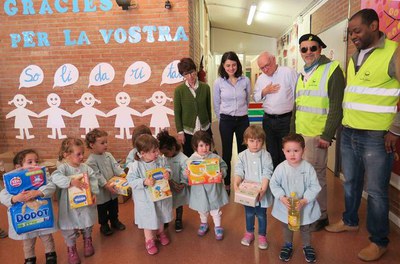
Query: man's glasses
pixel 312 49
pixel 266 66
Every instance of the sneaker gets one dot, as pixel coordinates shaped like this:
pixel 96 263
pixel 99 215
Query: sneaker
pixel 319 225
pixel 163 238
pixel 247 239
pixel 262 242
pixel 30 260
pixel 202 229
pixel 88 249
pixel 286 253
pixel 73 257
pixel 51 258
pixel 117 225
pixel 219 233
pixel 309 254
pixel 340 227
pixel 178 225
pixel 371 252
pixel 106 230
pixel 151 247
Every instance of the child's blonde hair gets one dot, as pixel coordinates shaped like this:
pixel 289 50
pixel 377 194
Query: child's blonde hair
pixel 140 130
pixel 145 143
pixel 67 147
pixel 93 135
pixel 20 156
pixel 294 138
pixel 254 132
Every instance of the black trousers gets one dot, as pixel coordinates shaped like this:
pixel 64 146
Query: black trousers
pixel 108 211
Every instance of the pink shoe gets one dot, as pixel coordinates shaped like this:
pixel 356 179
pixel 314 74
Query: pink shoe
pixel 164 240
pixel 262 242
pixel 151 247
pixel 73 257
pixel 88 249
pixel 219 233
pixel 247 239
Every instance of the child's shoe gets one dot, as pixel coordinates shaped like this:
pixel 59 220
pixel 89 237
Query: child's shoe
pixel 151 247
pixel 3 234
pixel 51 258
pixel 73 257
pixel 178 225
pixel 262 242
pixel 202 229
pixel 118 225
pixel 163 238
pixel 219 233
pixel 286 252
pixel 247 239
pixel 309 254
pixel 106 230
pixel 30 260
pixel 88 249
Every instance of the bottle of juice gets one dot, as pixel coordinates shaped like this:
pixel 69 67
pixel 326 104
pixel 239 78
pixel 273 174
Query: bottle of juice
pixel 293 213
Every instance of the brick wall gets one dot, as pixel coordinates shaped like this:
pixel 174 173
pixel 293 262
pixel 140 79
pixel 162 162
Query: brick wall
pixel 85 57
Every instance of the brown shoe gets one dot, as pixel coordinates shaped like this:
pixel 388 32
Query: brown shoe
pixel 340 227
pixel 371 252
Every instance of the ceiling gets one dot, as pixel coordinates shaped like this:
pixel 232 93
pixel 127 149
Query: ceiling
pixel 272 18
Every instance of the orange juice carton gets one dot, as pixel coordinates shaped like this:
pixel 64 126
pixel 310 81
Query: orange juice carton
pixel 120 185
pixel 248 193
pixel 80 197
pixel 160 190
pixel 204 171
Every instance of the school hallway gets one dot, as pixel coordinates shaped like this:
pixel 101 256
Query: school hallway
pixel 186 247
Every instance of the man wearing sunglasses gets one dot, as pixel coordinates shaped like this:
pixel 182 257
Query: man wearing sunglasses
pixel 318 111
pixel 370 130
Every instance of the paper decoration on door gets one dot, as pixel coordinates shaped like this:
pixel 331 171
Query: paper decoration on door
pixel 21 114
pixel 171 74
pixel 123 113
pixel 65 75
pixel 159 119
pixel 55 115
pixel 138 72
pixel 88 113
pixel 31 76
pixel 101 74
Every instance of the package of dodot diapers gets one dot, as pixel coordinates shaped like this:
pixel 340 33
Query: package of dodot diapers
pixel 34 214
pixel 80 197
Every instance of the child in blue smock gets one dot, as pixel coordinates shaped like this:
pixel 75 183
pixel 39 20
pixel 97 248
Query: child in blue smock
pixel 71 220
pixel 149 216
pixel 137 131
pixel 207 199
pixel 177 161
pixel 295 175
pixel 26 159
pixel 105 167
pixel 255 164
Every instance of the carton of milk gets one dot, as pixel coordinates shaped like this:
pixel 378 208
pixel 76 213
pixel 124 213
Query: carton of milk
pixel 80 197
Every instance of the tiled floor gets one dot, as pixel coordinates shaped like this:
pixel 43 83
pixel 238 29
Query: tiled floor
pixel 186 247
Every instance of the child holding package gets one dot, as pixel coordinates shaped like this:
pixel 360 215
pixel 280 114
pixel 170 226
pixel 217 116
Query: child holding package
pixel 71 220
pixel 26 159
pixel 149 216
pixel 255 164
pixel 105 167
pixel 139 130
pixel 177 161
pixel 295 175
pixel 207 199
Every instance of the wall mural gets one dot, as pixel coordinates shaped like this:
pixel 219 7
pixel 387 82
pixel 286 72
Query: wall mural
pixel 103 73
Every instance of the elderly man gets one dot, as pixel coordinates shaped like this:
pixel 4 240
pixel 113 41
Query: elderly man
pixel 318 111
pixel 275 88
pixel 370 130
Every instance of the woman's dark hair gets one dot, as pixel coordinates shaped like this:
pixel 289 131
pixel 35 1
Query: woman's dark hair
pixel 20 156
pixel 230 55
pixel 201 136
pixel 186 65
pixel 167 141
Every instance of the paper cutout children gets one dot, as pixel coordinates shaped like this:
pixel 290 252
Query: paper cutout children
pixel 21 114
pixel 123 112
pixel 88 112
pixel 55 115
pixel 159 119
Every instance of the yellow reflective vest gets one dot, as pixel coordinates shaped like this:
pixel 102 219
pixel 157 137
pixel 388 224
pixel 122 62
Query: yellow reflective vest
pixel 312 102
pixel 371 95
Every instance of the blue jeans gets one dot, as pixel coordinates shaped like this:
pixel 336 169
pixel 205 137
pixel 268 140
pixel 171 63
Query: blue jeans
pixel 363 153
pixel 261 214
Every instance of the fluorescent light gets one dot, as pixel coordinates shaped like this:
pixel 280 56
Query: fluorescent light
pixel 252 12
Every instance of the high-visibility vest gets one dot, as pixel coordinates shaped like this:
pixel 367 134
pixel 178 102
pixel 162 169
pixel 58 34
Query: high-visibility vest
pixel 312 102
pixel 371 95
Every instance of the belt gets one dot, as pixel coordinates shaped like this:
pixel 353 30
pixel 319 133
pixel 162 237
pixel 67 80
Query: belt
pixel 278 116
pixel 229 117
